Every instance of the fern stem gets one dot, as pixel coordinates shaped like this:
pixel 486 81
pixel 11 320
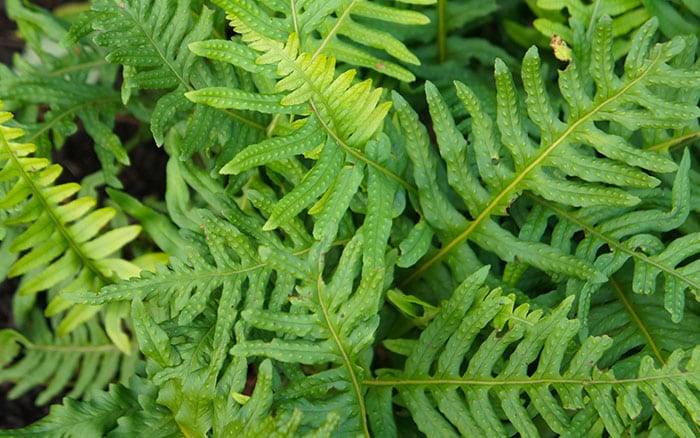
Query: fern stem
pixel 357 154
pixel 591 23
pixel 76 67
pixel 356 384
pixel 331 34
pixel 529 382
pixel 295 19
pixel 512 187
pixel 68 112
pixel 637 320
pixel 614 244
pixel 674 142
pixel 441 31
pixel 75 349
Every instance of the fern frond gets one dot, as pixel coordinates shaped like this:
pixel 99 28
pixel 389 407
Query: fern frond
pixel 76 84
pixel 472 366
pixel 183 318
pixel 344 117
pixel 629 235
pixel 62 248
pixel 508 159
pixel 150 40
pixel 347 29
pixel 36 357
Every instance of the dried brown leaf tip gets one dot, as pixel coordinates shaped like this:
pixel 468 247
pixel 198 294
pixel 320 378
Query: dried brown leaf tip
pixel 562 51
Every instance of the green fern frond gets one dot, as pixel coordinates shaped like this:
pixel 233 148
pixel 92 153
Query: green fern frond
pixel 187 345
pixel 344 117
pixel 61 243
pixel 76 84
pixel 150 40
pixel 473 365
pixel 36 357
pixel 508 159
pixel 629 234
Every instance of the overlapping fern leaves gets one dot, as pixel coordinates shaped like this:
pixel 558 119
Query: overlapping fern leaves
pixel 69 86
pixel 338 116
pixel 149 39
pixel 302 202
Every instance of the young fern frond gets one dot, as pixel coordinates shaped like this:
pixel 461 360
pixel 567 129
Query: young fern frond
pixel 347 29
pixel 343 117
pixel 556 161
pixel 478 359
pixel 61 245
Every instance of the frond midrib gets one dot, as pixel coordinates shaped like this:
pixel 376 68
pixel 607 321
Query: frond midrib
pixel 360 156
pixel 635 316
pixel 536 382
pixel 331 34
pixel 98 348
pixel 346 361
pixel 69 111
